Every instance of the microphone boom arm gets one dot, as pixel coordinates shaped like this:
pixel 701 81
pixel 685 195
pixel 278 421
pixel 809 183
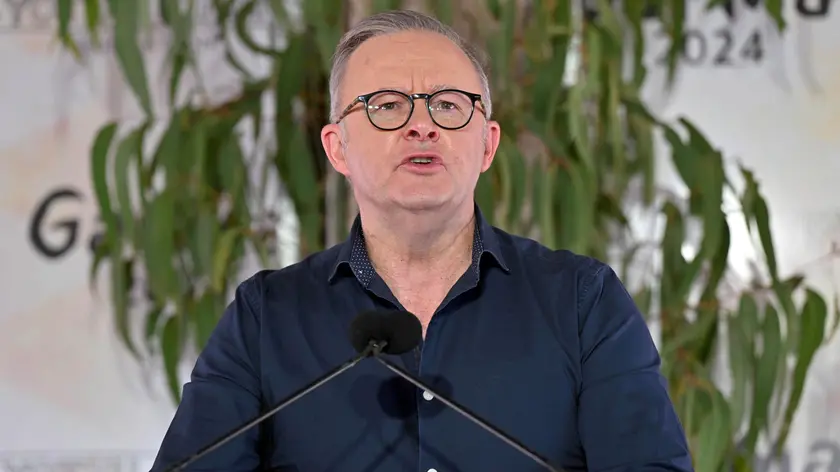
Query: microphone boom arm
pixel 465 412
pixel 370 349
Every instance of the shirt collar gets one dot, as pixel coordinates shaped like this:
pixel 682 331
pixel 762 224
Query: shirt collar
pixel 353 252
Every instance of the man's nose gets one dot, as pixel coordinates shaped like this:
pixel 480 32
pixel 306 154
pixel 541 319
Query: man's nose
pixel 420 126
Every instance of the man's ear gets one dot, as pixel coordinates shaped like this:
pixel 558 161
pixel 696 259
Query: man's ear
pixel 493 135
pixel 332 140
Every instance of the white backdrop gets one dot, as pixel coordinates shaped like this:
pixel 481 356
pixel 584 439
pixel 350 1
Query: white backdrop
pixel 71 398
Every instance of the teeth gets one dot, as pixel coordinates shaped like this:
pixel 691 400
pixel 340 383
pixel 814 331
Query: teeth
pixel 421 160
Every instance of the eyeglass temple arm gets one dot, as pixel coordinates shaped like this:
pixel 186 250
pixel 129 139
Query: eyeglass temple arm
pixel 347 109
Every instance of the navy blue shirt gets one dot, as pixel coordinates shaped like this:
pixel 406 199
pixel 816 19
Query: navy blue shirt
pixel 545 344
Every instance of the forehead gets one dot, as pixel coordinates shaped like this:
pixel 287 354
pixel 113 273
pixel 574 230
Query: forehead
pixel 412 61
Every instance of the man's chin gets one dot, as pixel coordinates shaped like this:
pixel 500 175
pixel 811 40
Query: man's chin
pixel 421 203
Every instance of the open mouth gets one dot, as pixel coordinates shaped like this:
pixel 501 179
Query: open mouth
pixel 421 160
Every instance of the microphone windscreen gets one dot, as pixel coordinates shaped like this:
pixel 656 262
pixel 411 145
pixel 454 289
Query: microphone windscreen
pixel 400 329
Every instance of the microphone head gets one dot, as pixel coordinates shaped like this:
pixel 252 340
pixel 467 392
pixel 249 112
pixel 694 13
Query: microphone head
pixel 400 329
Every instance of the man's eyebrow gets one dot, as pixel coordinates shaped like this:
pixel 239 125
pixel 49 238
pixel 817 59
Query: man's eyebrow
pixel 433 89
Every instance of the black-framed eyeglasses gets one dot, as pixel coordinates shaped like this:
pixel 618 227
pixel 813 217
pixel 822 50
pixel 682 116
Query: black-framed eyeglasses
pixel 389 110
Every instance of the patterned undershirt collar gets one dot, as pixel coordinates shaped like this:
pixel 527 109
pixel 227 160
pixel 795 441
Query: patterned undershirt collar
pixel 360 261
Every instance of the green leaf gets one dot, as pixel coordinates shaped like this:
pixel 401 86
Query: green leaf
pixel 643 299
pixel 233 175
pixel 748 319
pixel 152 327
pixel 749 196
pixel 578 124
pixel 327 32
pixel 712 4
pixel 775 11
pixel 547 85
pixel 812 332
pixel 609 21
pixel 128 51
pixel 121 283
pixel 243 31
pixel 159 246
pixel 642 135
pixel 442 8
pixel 594 62
pixel 693 333
pixel 764 383
pixel 290 81
pixel 546 206
pixel 685 158
pixel 577 210
pixel 100 253
pixel 92 16
pixel 517 179
pixel 784 293
pixel 499 188
pixel 676 32
pixel 762 221
pixel 714 436
pixel 741 358
pixel 179 52
pixel 711 186
pixel 171 347
pixel 634 11
pixel 205 315
pixel 127 153
pixel 204 236
pixel 673 263
pixel 615 132
pixel 484 193
pixel 278 8
pixel 501 44
pixel 65 17
pixel 298 172
pixel 221 260
pixel 99 177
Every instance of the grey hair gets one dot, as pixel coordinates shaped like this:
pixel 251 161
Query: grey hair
pixel 391 22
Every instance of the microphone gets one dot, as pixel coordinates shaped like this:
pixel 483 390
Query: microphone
pixel 361 345
pixel 389 332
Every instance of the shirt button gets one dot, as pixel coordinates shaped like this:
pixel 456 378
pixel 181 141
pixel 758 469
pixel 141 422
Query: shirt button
pixel 428 397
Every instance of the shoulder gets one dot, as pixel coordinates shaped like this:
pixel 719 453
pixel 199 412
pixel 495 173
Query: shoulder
pixel 311 273
pixel 576 287
pixel 538 260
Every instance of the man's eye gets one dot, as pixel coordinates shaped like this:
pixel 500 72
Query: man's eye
pixel 446 106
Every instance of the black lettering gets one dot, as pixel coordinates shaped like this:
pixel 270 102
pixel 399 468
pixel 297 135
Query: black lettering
pixel 813 8
pixel 695 48
pixel 724 54
pixel 729 7
pixel 753 49
pixel 97 239
pixel 38 225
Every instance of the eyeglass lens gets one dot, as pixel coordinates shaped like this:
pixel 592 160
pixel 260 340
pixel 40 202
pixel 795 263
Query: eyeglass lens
pixel 392 110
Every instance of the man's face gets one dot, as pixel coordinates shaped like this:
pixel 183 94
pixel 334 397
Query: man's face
pixel 375 161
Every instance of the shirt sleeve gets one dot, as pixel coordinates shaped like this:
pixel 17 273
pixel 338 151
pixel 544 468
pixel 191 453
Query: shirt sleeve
pixel 627 421
pixel 222 394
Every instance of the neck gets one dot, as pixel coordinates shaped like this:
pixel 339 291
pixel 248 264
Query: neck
pixel 414 245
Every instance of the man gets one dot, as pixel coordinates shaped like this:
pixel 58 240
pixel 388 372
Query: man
pixel 546 345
